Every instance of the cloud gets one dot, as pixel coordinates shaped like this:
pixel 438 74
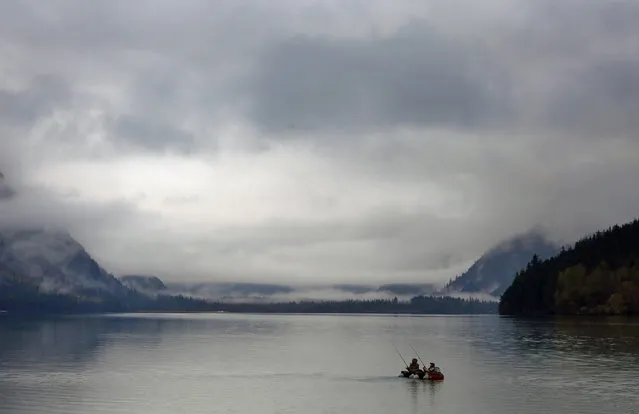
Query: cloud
pixel 316 141
pixel 39 98
pixel 151 135
pixel 414 78
pixel 608 107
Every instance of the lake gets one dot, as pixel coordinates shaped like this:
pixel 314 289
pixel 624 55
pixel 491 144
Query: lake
pixel 228 363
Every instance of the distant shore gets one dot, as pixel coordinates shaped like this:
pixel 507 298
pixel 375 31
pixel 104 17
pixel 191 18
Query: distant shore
pixel 420 305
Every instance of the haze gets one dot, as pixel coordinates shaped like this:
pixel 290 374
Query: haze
pixel 325 141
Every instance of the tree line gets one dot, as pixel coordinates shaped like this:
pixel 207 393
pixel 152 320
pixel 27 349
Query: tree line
pixel 598 275
pixel 417 305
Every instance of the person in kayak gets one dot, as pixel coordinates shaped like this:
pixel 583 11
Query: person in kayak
pixel 432 368
pixel 414 366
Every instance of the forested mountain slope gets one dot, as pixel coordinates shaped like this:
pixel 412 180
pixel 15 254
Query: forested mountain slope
pixel 495 270
pixel 599 275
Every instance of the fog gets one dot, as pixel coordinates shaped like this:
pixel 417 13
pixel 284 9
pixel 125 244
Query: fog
pixel 316 142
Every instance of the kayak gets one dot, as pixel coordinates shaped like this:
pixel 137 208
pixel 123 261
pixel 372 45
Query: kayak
pixel 435 376
pixel 431 376
pixel 420 374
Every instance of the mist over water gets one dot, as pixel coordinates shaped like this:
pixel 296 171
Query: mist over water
pixel 223 363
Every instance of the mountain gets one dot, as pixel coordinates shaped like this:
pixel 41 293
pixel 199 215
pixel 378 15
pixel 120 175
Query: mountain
pixel 400 289
pixel 150 285
pixel 495 270
pixel 229 292
pixel 48 272
pixel 51 261
pixel 45 271
pixel 598 275
pixel 407 289
pixel 56 263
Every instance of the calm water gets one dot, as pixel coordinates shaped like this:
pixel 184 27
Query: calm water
pixel 219 363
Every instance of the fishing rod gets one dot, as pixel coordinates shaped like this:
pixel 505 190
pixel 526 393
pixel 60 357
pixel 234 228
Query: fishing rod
pixel 420 358
pixel 400 355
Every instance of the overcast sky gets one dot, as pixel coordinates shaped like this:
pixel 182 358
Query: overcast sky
pixel 305 141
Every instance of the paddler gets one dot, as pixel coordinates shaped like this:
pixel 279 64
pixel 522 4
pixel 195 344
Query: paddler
pixel 413 368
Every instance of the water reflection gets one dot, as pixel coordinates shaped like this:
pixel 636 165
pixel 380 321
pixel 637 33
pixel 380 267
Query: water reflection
pixel 581 337
pixel 61 341
pixel 76 339
pixel 314 364
pixel 423 395
pixel 414 388
pixel 56 359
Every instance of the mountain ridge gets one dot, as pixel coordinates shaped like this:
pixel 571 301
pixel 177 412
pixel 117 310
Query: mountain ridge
pixel 495 270
pixel 56 262
pixel 599 275
pixel 46 272
pixel 147 284
pixel 48 268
